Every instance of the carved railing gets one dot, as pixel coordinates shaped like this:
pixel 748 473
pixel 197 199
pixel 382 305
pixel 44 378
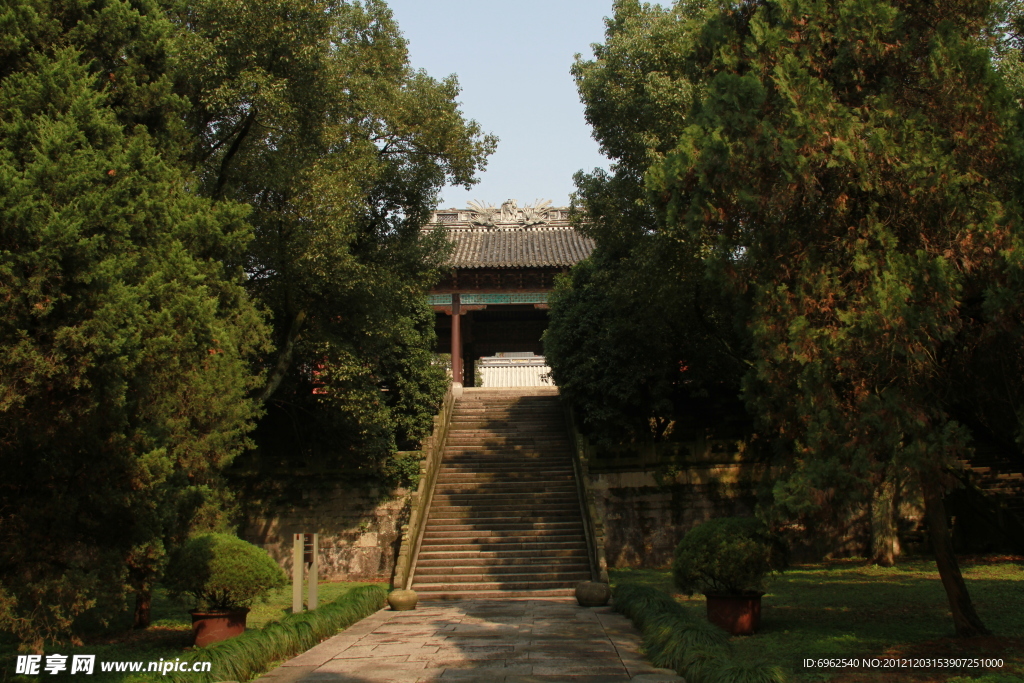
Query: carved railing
pixel 593 526
pixel 419 502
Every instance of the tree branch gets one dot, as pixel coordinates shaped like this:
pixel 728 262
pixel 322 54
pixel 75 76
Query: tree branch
pixel 222 177
pixel 284 358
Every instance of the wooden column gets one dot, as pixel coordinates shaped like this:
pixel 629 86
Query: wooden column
pixel 456 340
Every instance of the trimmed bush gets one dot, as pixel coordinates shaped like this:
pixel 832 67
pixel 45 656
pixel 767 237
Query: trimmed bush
pixel 697 650
pixel 222 572
pixel 728 556
pixel 248 655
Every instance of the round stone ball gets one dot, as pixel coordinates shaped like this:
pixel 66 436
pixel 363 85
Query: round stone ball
pixel 592 593
pixel 402 600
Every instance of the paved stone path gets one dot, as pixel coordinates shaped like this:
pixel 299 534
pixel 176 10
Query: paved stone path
pixel 492 641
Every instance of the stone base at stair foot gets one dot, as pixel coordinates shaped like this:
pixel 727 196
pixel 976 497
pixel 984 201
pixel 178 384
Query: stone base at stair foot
pixel 592 593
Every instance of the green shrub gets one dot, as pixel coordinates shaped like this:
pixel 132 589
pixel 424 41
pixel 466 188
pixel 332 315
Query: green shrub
pixel 730 555
pixel 699 651
pixel 222 572
pixel 248 655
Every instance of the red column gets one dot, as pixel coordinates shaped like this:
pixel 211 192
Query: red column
pixel 456 340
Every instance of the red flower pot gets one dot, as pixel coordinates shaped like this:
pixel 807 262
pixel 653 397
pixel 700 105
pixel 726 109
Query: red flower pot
pixel 740 615
pixel 214 626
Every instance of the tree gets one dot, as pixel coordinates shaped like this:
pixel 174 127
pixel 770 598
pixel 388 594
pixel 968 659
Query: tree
pixel 635 342
pixel 853 171
pixel 308 111
pixel 125 329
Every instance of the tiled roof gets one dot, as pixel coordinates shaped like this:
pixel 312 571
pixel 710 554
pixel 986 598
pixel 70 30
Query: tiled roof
pixel 518 247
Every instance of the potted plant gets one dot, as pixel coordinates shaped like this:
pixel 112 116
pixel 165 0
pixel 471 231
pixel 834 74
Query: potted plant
pixel 728 560
pixel 223 575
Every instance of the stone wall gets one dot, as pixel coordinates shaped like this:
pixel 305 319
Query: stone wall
pixel 646 513
pixel 359 531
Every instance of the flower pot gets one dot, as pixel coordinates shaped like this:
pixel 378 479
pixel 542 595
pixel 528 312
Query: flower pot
pixel 402 600
pixel 216 625
pixel 740 615
pixel 592 593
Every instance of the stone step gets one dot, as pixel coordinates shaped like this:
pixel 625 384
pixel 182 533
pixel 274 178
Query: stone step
pixel 509 410
pixel 453 514
pixel 503 545
pixel 474 560
pixel 557 593
pixel 504 486
pixel 525 504
pixel 562 533
pixel 510 427
pixel 510 436
pixel 564 576
pixel 481 478
pixel 508 458
pixel 479 515
pixel 501 524
pixel 502 570
pixel 445 557
pixel 520 535
pixel 462 471
pixel 511 457
pixel 502 442
pixel 492 585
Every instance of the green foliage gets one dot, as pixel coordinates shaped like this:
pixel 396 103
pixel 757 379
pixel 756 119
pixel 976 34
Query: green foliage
pixel 729 555
pixel 125 330
pixel 696 649
pixel 639 603
pixel 249 654
pixel 402 469
pixel 309 112
pixel 681 372
pixel 222 572
pixel 848 177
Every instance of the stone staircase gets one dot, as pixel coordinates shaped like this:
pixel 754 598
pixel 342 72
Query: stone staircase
pixel 998 477
pixel 993 497
pixel 505 518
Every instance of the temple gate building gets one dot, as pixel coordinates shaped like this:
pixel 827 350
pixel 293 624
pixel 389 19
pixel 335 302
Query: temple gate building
pixel 492 308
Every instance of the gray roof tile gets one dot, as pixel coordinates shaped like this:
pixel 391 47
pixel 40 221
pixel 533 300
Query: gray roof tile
pixel 518 247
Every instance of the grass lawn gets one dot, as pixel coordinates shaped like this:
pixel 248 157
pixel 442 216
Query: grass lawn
pixel 167 637
pixel 849 609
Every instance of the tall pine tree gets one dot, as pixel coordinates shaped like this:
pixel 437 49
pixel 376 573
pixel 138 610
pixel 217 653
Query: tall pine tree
pixel 852 171
pixel 125 329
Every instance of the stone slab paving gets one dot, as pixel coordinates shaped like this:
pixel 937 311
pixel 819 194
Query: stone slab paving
pixel 486 641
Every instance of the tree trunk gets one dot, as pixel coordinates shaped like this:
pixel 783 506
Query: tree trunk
pixel 284 358
pixel 143 608
pixel 965 619
pixel 885 542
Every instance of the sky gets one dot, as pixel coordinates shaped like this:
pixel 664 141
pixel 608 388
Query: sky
pixel 512 60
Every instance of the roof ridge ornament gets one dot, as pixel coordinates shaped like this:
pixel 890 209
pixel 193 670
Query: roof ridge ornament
pixel 510 215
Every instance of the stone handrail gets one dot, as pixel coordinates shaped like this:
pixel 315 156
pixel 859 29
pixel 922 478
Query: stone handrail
pixel 593 527
pixel 419 502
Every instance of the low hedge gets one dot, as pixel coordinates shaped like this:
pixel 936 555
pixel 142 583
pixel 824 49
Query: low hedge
pixel 248 655
pixel 697 650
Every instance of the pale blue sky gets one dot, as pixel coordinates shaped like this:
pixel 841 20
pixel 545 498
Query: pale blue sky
pixel 512 60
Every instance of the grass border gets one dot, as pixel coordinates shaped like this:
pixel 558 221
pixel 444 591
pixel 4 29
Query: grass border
pixel 698 651
pixel 244 657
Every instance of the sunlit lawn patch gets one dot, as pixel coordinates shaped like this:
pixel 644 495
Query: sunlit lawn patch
pixel 850 609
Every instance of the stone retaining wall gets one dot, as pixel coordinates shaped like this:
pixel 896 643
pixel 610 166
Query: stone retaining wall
pixel 645 515
pixel 359 531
